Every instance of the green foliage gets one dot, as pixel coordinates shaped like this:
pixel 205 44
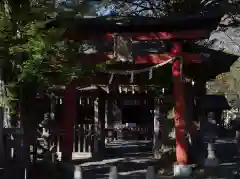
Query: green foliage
pixel 33 52
pixel 41 52
pixel 31 56
pixel 28 52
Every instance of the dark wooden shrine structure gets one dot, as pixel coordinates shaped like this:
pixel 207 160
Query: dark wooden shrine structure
pixel 150 42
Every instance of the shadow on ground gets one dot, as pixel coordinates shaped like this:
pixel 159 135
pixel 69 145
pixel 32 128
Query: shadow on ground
pixel 133 158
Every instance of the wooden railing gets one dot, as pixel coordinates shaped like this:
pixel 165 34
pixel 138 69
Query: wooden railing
pixel 83 138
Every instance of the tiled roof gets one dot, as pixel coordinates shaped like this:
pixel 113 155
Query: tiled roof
pixel 226 37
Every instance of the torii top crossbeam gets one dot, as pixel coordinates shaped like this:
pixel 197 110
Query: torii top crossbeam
pixel 137 23
pixel 140 29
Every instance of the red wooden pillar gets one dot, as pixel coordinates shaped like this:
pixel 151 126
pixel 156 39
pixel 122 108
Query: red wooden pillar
pixel 178 90
pixel 69 116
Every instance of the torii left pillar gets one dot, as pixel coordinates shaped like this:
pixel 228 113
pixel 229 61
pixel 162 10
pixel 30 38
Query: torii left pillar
pixel 69 116
pixel 181 167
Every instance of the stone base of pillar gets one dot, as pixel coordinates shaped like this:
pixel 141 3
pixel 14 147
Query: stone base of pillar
pixel 211 162
pixel 78 173
pixel 181 170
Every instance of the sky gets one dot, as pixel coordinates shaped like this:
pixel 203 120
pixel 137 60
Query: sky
pixel 101 10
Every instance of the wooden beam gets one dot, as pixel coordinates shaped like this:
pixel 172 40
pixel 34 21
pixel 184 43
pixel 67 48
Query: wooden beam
pixel 160 58
pixel 92 59
pixel 75 34
pixel 180 35
pixel 138 24
pixel 68 118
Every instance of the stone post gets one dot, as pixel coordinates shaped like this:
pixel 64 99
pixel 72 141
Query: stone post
pixel 210 136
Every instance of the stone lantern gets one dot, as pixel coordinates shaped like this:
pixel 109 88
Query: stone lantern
pixel 211 106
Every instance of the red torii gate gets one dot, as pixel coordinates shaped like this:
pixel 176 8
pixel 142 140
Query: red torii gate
pixel 185 31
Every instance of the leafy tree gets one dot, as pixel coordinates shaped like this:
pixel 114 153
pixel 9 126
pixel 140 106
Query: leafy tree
pixel 33 57
pixel 31 54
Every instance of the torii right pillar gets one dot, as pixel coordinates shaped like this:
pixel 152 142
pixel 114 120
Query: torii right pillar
pixel 181 167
